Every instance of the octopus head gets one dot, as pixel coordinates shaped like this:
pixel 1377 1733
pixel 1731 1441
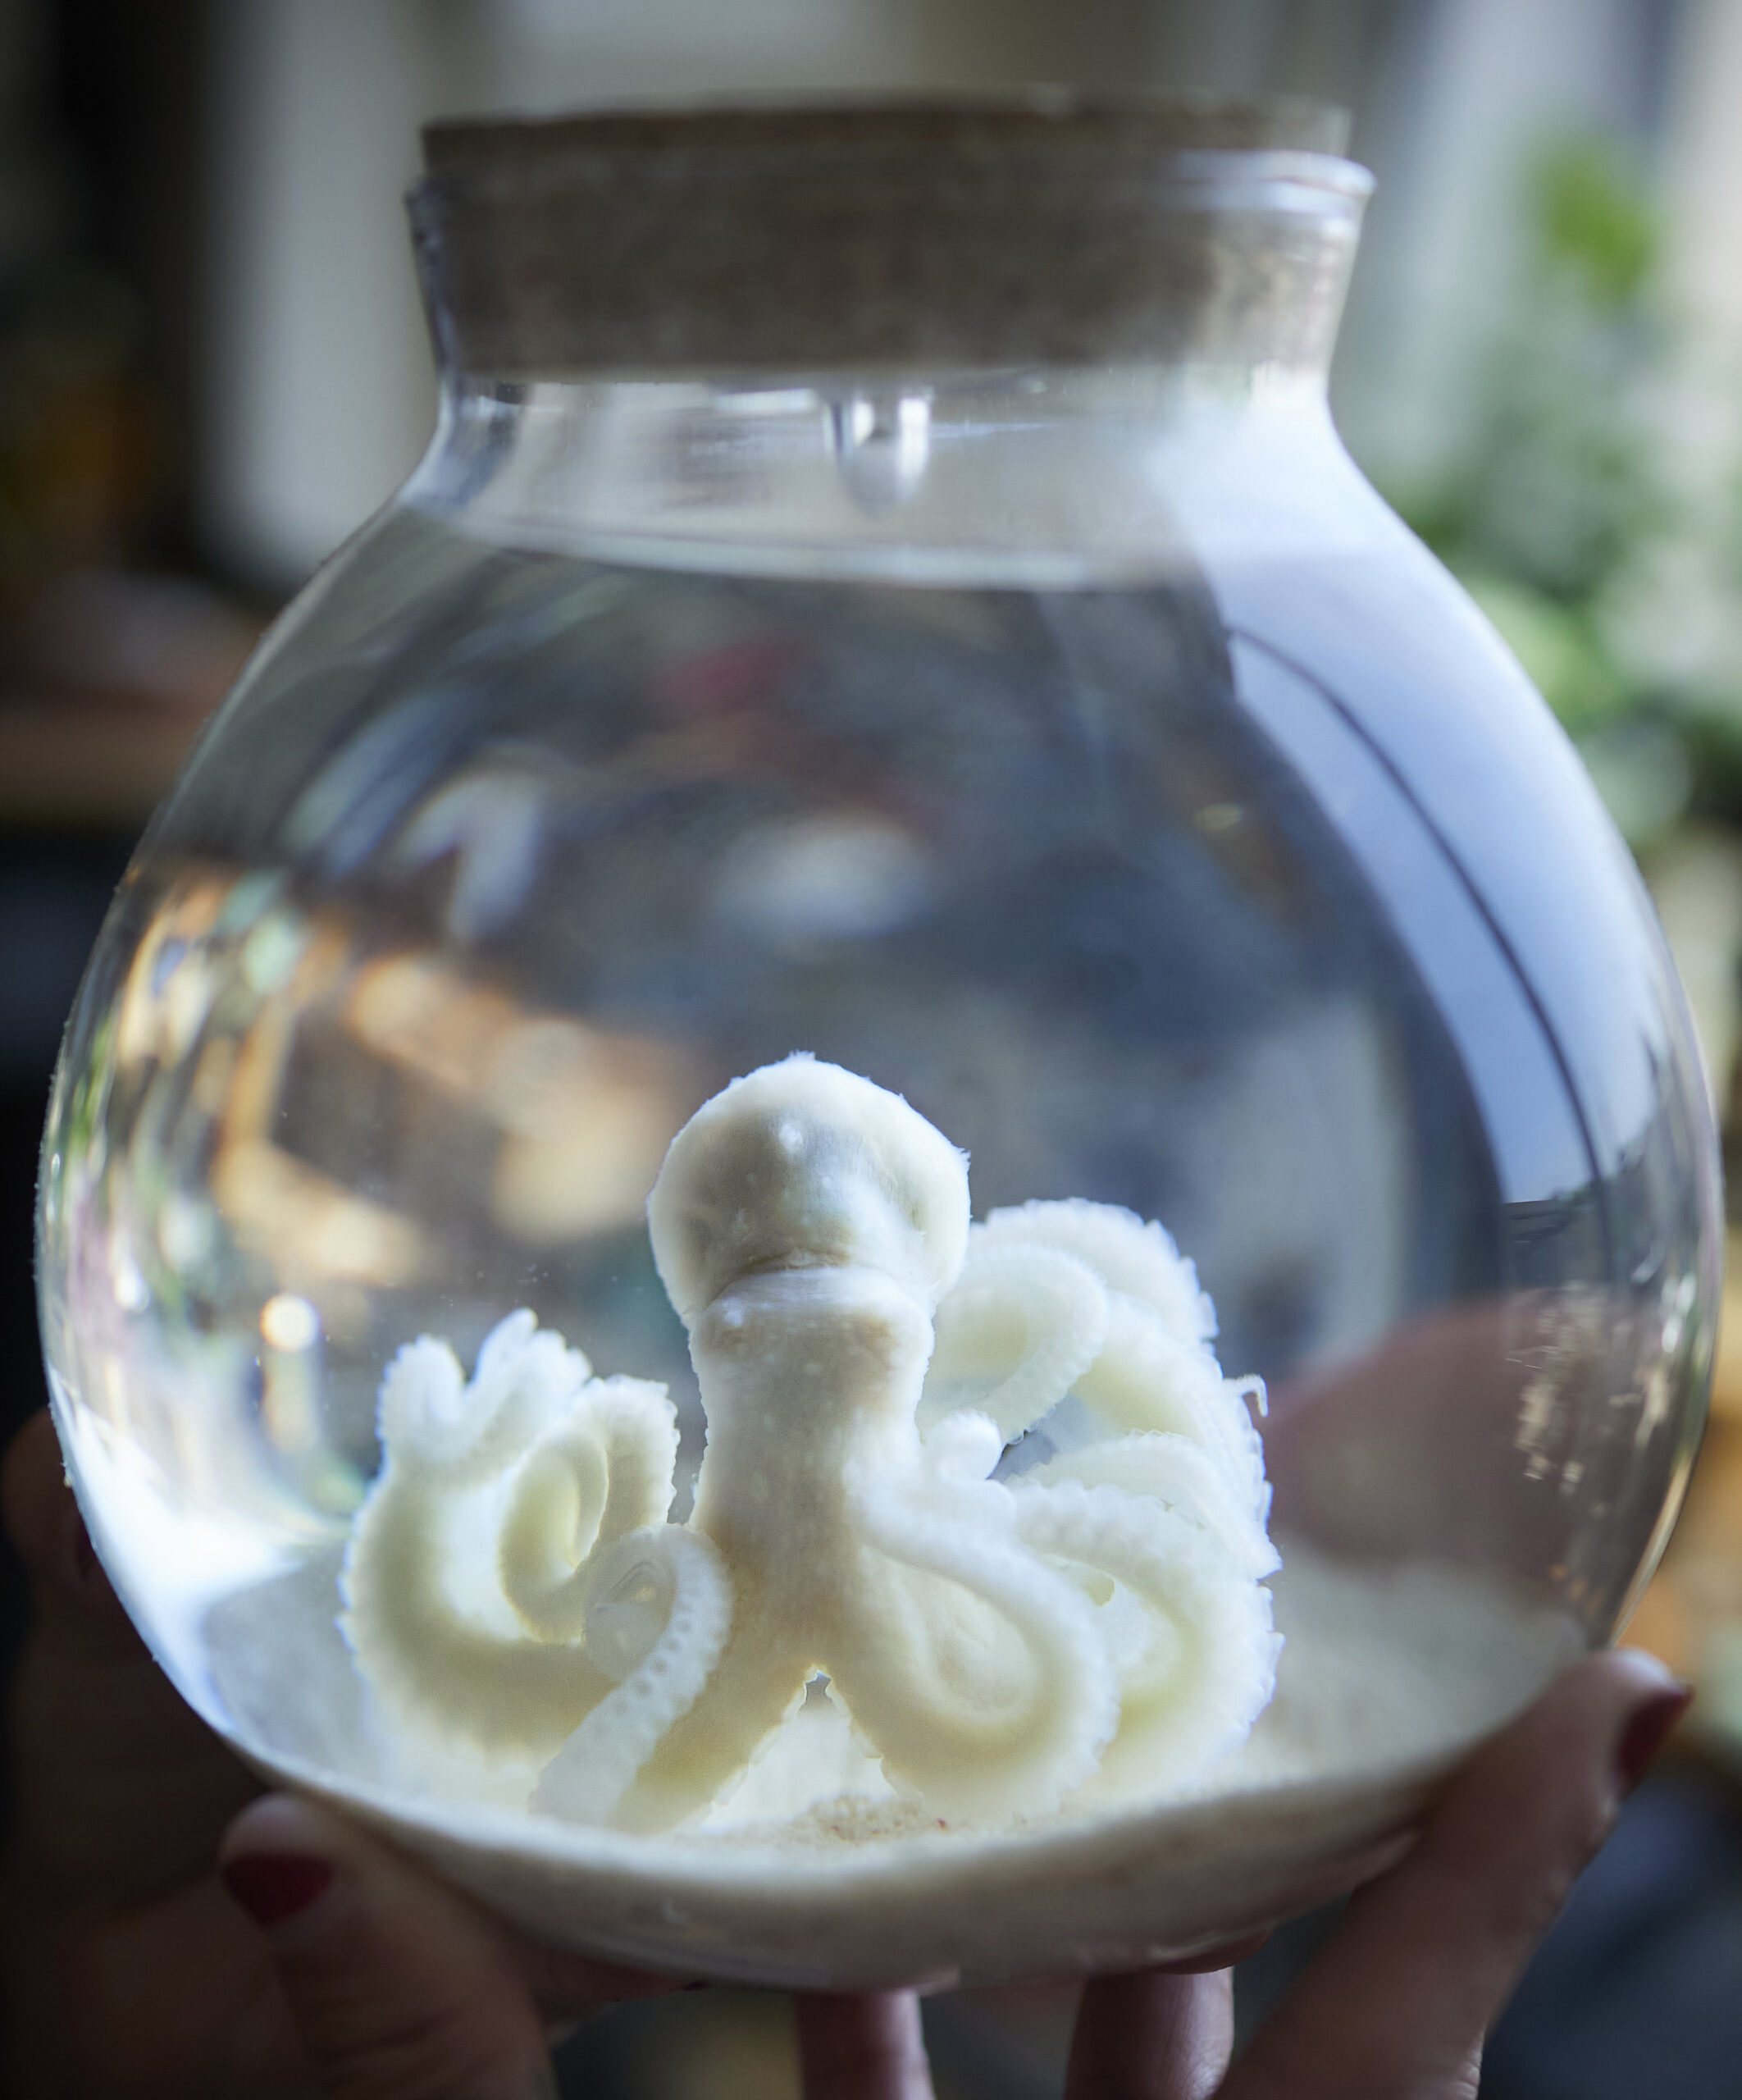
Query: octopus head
pixel 803 1165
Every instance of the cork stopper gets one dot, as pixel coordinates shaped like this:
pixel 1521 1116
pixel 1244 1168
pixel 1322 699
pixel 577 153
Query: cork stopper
pixel 724 240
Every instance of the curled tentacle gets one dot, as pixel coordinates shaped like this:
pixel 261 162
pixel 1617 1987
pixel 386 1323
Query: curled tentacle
pixel 607 1471
pixel 1180 1473
pixel 972 1742
pixel 1132 1255
pixel 658 1613
pixel 1019 1326
pixel 431 1419
pixel 1146 1379
pixel 552 1525
pixel 961 1451
pixel 503 1692
pixel 1078 1295
pixel 446 1444
pixel 1192 1689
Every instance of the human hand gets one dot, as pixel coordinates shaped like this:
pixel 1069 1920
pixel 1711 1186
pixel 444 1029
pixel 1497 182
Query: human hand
pixel 1396 2005
pixel 1394 2008
pixel 365 1978
pixel 128 1971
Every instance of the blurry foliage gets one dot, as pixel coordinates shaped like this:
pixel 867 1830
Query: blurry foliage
pixel 1570 515
pixel 1594 221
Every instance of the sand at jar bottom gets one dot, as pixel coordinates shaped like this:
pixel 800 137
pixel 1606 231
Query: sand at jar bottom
pixel 813 1875
pixel 1385 1669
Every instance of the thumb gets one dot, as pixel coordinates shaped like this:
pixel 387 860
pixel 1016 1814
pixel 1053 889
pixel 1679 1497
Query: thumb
pixel 399 1989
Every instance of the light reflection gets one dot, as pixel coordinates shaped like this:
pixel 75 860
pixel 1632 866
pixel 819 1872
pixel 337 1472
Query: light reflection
pixel 584 1116
pixel 306 1221
pixel 277 1077
pixel 169 985
pixel 290 1322
pixel 579 1117
pixel 883 444
pixel 126 1280
pixel 415 1012
pixel 491 821
pixel 292 1378
pixel 846 874
pixel 186 1229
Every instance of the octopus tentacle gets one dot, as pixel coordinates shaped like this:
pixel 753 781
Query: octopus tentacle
pixel 431 1418
pixel 1034 1315
pixel 578 1491
pixel 1179 1473
pixel 1209 1667
pixel 961 1451
pixel 551 1525
pixel 1146 1379
pixel 1130 1254
pixel 986 1757
pixel 758 1684
pixel 1150 1370
pixel 445 1443
pixel 502 1692
pixel 655 1572
pixel 641 1431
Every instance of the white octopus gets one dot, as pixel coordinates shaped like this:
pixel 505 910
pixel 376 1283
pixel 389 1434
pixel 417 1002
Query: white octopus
pixel 1092 1626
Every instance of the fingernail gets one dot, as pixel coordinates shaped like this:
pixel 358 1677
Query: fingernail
pixel 1645 1734
pixel 274 1887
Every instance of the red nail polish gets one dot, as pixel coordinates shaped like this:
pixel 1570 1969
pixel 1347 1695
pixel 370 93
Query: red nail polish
pixel 1644 1736
pixel 274 1886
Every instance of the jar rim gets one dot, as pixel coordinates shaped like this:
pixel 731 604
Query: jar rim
pixel 1052 228
pixel 1056 118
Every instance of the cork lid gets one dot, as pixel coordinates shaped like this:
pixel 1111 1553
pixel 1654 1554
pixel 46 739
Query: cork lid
pixel 721 239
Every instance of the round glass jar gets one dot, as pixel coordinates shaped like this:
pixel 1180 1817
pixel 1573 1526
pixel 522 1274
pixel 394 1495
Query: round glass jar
pixel 885 659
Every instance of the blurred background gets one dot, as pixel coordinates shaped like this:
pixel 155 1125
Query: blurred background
pixel 213 368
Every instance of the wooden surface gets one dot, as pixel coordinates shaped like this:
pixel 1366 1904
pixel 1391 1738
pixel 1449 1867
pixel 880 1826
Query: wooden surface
pixel 1726 1371
pixel 1692 1613
pixel 88 764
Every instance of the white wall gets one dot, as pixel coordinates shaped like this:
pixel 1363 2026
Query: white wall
pixel 318 392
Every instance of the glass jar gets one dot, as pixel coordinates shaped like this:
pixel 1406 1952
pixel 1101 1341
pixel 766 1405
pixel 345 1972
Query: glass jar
pixel 884 588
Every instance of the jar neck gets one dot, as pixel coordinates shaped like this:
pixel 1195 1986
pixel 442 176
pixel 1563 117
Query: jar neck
pixel 905 339
pixel 1055 477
